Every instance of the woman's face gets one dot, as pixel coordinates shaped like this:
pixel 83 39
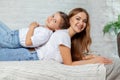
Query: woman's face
pixel 78 22
pixel 54 21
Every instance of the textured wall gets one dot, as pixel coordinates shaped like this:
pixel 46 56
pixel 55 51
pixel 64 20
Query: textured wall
pixel 19 13
pixel 111 13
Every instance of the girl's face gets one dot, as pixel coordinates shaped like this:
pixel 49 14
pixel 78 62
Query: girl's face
pixel 54 21
pixel 78 22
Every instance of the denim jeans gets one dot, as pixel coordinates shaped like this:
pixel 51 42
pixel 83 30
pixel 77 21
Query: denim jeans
pixel 8 38
pixel 19 54
pixel 3 28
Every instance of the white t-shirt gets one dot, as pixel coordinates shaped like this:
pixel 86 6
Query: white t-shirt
pixel 51 49
pixel 40 36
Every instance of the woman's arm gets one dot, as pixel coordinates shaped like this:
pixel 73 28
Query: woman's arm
pixel 30 32
pixel 97 59
pixel 89 56
pixel 67 60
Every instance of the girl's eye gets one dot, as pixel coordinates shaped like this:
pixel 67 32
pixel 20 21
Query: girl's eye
pixel 54 21
pixel 53 16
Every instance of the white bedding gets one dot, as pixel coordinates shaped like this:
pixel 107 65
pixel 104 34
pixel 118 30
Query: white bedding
pixel 50 70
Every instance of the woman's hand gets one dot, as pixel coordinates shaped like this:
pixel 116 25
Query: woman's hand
pixel 100 59
pixel 89 56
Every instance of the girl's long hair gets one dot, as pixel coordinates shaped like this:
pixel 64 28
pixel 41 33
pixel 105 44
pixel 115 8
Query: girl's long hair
pixel 80 42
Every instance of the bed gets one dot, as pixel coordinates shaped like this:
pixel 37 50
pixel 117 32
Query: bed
pixel 49 70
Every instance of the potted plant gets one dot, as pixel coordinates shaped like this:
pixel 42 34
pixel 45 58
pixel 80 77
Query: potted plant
pixel 113 26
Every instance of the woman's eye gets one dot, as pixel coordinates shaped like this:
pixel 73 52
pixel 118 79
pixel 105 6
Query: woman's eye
pixel 85 21
pixel 77 18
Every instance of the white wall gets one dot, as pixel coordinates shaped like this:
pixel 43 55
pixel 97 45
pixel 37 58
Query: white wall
pixel 19 13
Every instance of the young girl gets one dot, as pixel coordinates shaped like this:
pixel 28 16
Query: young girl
pixel 33 36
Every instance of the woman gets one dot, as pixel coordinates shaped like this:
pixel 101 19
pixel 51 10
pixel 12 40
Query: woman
pixel 33 36
pixel 80 44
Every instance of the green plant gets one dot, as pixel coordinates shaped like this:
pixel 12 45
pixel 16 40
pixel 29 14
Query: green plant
pixel 115 25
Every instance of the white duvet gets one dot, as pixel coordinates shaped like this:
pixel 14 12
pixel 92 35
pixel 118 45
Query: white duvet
pixel 50 70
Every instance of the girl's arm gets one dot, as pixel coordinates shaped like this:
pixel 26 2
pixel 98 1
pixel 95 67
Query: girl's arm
pixel 67 60
pixel 30 32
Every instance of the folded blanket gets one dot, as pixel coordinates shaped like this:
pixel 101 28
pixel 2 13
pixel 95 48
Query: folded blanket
pixel 50 70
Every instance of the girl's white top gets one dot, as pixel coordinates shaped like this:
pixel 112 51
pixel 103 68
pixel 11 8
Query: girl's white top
pixel 41 36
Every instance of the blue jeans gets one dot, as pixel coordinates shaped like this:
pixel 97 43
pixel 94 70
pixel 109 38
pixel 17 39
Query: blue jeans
pixel 19 54
pixel 3 28
pixel 8 38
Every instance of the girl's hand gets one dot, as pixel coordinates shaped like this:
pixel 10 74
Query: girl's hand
pixel 34 25
pixel 30 33
pixel 100 59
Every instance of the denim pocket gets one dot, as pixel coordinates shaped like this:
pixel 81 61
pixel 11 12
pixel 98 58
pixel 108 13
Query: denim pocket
pixel 10 40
